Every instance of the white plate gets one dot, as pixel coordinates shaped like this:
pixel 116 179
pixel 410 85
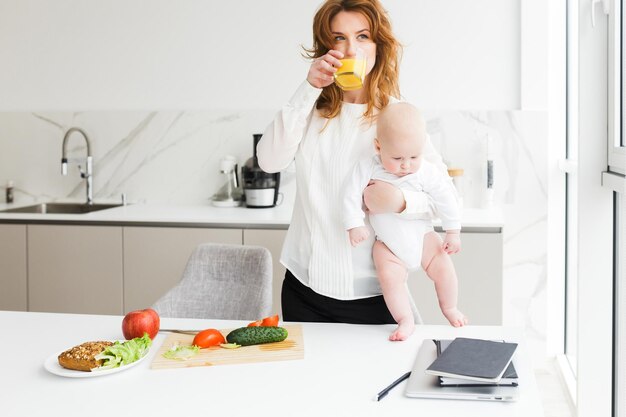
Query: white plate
pixel 52 365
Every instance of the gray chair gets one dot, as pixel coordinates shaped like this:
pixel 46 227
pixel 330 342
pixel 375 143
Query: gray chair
pixel 230 282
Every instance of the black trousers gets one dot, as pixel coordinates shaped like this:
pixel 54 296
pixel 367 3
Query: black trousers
pixel 301 303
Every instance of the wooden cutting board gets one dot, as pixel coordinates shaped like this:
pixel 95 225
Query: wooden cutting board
pixel 289 349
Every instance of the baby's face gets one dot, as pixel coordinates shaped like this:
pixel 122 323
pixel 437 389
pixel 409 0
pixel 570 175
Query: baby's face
pixel 400 155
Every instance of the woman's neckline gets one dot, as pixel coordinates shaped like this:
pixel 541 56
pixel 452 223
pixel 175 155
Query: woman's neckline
pixel 345 103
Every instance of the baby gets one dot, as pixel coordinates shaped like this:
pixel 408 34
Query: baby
pixel 404 244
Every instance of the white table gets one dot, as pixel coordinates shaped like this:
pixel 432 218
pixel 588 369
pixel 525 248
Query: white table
pixel 344 366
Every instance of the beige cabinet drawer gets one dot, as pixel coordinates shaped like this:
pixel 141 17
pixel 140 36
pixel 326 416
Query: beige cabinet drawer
pixel 13 278
pixel 75 269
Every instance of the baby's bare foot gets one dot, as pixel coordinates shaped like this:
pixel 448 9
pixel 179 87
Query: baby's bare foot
pixel 455 317
pixel 403 331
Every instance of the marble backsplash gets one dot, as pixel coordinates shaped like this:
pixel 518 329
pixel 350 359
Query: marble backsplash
pixel 173 157
pixel 164 157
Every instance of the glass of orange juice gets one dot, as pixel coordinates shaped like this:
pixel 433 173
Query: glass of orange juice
pixel 351 74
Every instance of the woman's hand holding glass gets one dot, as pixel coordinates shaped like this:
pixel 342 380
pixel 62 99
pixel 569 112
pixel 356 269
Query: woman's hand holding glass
pixel 322 69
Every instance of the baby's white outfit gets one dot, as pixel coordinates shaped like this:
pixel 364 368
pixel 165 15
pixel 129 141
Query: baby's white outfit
pixel 403 236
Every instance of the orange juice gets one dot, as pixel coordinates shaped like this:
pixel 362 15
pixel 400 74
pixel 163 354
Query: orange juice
pixel 350 74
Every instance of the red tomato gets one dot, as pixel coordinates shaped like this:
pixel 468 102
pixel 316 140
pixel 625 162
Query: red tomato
pixel 208 337
pixel 270 321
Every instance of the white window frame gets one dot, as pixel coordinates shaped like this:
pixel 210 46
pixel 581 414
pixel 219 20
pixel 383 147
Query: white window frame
pixel 616 152
pixel 570 167
pixel 619 406
pixel 557 87
pixel 600 171
pixel 593 382
pixel 614 180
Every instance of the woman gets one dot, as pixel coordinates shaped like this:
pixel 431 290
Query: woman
pixel 327 131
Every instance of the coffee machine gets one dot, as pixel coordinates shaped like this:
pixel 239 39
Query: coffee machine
pixel 260 188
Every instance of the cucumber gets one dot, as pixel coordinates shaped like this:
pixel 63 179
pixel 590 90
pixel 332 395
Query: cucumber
pixel 246 336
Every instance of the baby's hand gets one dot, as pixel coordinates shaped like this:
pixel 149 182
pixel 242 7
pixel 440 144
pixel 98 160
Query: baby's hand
pixel 452 242
pixel 358 235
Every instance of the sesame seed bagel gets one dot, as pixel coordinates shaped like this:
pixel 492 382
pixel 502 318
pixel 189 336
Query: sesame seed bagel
pixel 82 357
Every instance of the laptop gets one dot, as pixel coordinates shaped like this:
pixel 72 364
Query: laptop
pixel 423 385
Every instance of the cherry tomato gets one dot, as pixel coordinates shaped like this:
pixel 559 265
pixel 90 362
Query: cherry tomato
pixel 255 323
pixel 208 337
pixel 270 321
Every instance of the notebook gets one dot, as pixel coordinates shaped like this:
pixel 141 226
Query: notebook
pixel 423 385
pixel 474 359
pixel 509 377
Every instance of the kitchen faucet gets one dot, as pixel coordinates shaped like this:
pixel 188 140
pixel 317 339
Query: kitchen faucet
pixel 87 174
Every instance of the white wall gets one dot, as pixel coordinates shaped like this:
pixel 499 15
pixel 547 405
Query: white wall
pixel 245 54
pixel 459 54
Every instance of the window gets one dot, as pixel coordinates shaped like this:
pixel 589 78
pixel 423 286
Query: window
pixel 571 266
pixel 614 179
pixel 617 109
pixel 571 192
pixel 595 319
pixel 619 388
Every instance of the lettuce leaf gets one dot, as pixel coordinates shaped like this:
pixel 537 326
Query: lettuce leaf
pixel 181 353
pixel 124 353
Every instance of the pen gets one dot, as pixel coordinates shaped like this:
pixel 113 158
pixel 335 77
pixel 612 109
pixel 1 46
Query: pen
pixel 391 386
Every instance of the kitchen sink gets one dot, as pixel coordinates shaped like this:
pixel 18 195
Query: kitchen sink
pixel 61 208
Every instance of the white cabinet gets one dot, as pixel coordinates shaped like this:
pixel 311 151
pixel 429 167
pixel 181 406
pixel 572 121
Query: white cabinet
pixel 478 266
pixel 75 269
pixel 479 270
pixel 13 267
pixel 155 258
pixel 272 240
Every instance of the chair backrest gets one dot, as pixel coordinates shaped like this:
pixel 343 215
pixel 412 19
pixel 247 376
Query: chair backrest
pixel 231 282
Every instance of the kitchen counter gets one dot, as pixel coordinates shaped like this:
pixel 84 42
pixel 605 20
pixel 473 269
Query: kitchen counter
pixel 165 215
pixel 152 214
pixel 344 366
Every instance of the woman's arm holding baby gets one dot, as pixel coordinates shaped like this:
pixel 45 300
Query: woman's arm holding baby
pixel 382 197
